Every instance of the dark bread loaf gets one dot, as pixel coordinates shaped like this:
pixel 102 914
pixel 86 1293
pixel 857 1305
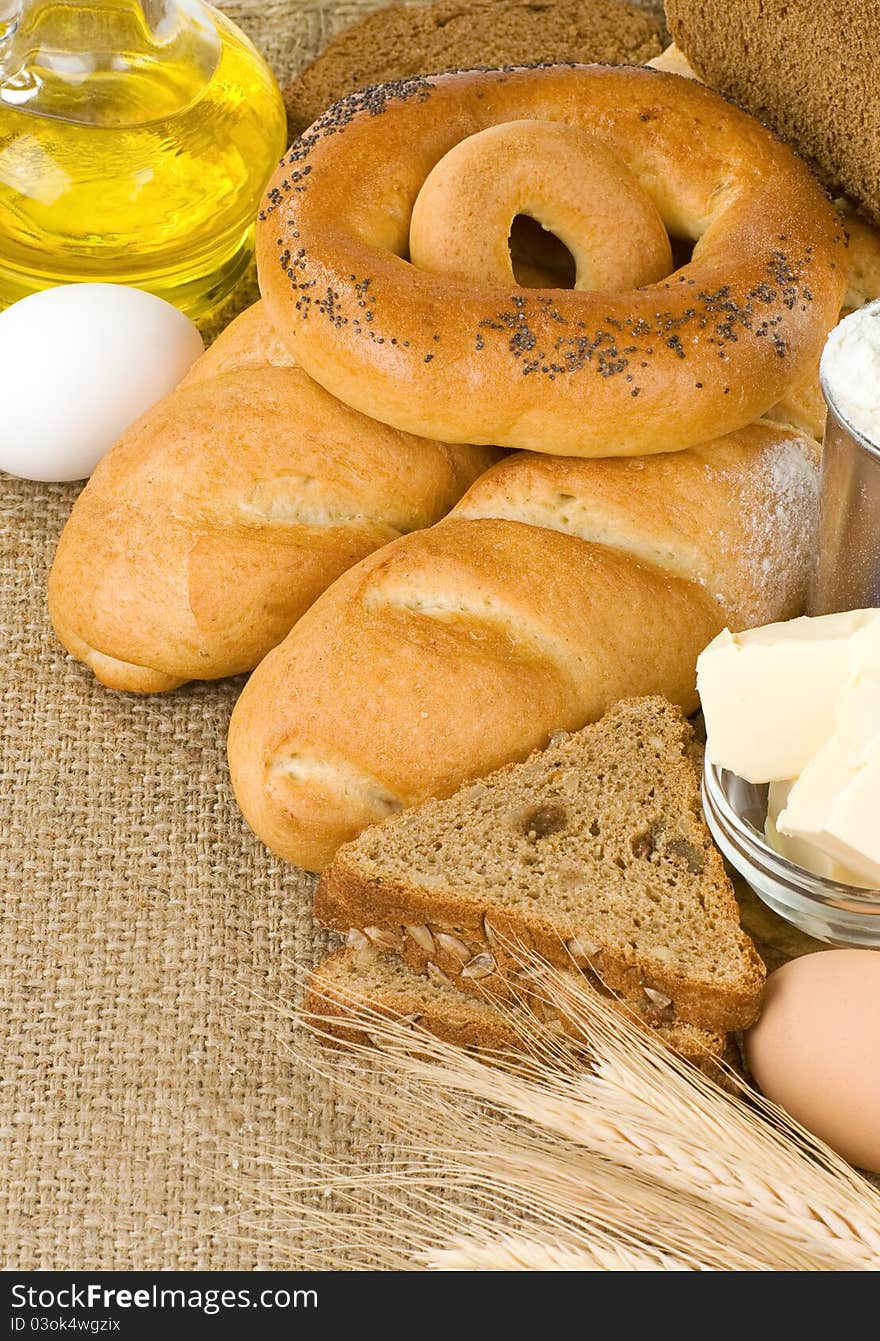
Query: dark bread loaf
pixel 460 34
pixel 810 71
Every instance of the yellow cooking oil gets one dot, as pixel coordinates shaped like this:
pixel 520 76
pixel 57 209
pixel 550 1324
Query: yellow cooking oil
pixel 135 143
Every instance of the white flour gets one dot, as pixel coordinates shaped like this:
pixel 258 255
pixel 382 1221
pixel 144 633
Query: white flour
pixel 851 370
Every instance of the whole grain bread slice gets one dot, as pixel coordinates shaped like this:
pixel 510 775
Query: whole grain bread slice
pixel 807 71
pixel 350 979
pixel 593 851
pixel 403 40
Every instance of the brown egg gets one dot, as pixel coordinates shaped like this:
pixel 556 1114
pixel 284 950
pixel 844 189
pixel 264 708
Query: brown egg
pixel 815 1050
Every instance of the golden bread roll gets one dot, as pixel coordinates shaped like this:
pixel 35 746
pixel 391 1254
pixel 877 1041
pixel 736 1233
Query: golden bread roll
pixel 698 354
pixel 556 587
pixel 221 515
pixel 250 341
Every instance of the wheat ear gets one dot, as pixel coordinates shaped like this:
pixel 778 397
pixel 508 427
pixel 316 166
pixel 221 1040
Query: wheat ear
pixel 620 1153
pixel 520 1254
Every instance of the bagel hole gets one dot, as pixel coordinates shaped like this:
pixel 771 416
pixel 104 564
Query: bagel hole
pixel 539 258
pixel 682 250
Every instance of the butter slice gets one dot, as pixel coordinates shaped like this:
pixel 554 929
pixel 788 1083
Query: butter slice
pixel 798 850
pixel 833 806
pixel 770 695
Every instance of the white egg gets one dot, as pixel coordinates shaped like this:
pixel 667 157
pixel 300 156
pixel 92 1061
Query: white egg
pixel 78 364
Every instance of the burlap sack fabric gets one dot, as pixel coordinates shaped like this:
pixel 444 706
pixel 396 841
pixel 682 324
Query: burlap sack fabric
pixel 146 934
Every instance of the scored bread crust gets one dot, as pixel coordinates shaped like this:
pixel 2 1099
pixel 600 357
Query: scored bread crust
pixel 220 516
pixel 250 341
pixel 702 353
pixel 354 893
pixel 553 589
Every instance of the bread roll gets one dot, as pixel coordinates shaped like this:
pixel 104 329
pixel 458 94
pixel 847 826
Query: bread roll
pixel 250 341
pixel 220 516
pixel 555 588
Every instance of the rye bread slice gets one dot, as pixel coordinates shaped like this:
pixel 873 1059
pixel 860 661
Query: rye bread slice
pixel 386 985
pixel 402 40
pixel 593 851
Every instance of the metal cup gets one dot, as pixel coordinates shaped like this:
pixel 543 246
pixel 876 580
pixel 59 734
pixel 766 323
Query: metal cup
pixel 847 571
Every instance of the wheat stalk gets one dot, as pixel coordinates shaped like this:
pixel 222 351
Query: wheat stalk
pixel 521 1254
pixel 423 1198
pixel 752 1163
pixel 575 1186
pixel 634 1162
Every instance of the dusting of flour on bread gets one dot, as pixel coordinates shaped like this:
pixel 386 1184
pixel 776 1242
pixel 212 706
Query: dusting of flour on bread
pixel 779 506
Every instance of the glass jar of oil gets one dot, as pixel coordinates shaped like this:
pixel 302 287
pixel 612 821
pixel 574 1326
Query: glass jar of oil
pixel 135 143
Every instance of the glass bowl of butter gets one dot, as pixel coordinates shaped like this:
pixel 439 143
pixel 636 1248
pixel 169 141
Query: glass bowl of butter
pixel 791 783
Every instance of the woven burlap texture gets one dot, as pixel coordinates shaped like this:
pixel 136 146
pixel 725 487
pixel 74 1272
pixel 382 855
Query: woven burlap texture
pixel 146 934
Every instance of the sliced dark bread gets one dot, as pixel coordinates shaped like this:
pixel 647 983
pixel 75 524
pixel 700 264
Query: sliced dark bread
pixel 349 978
pixel 593 851
pixel 402 40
